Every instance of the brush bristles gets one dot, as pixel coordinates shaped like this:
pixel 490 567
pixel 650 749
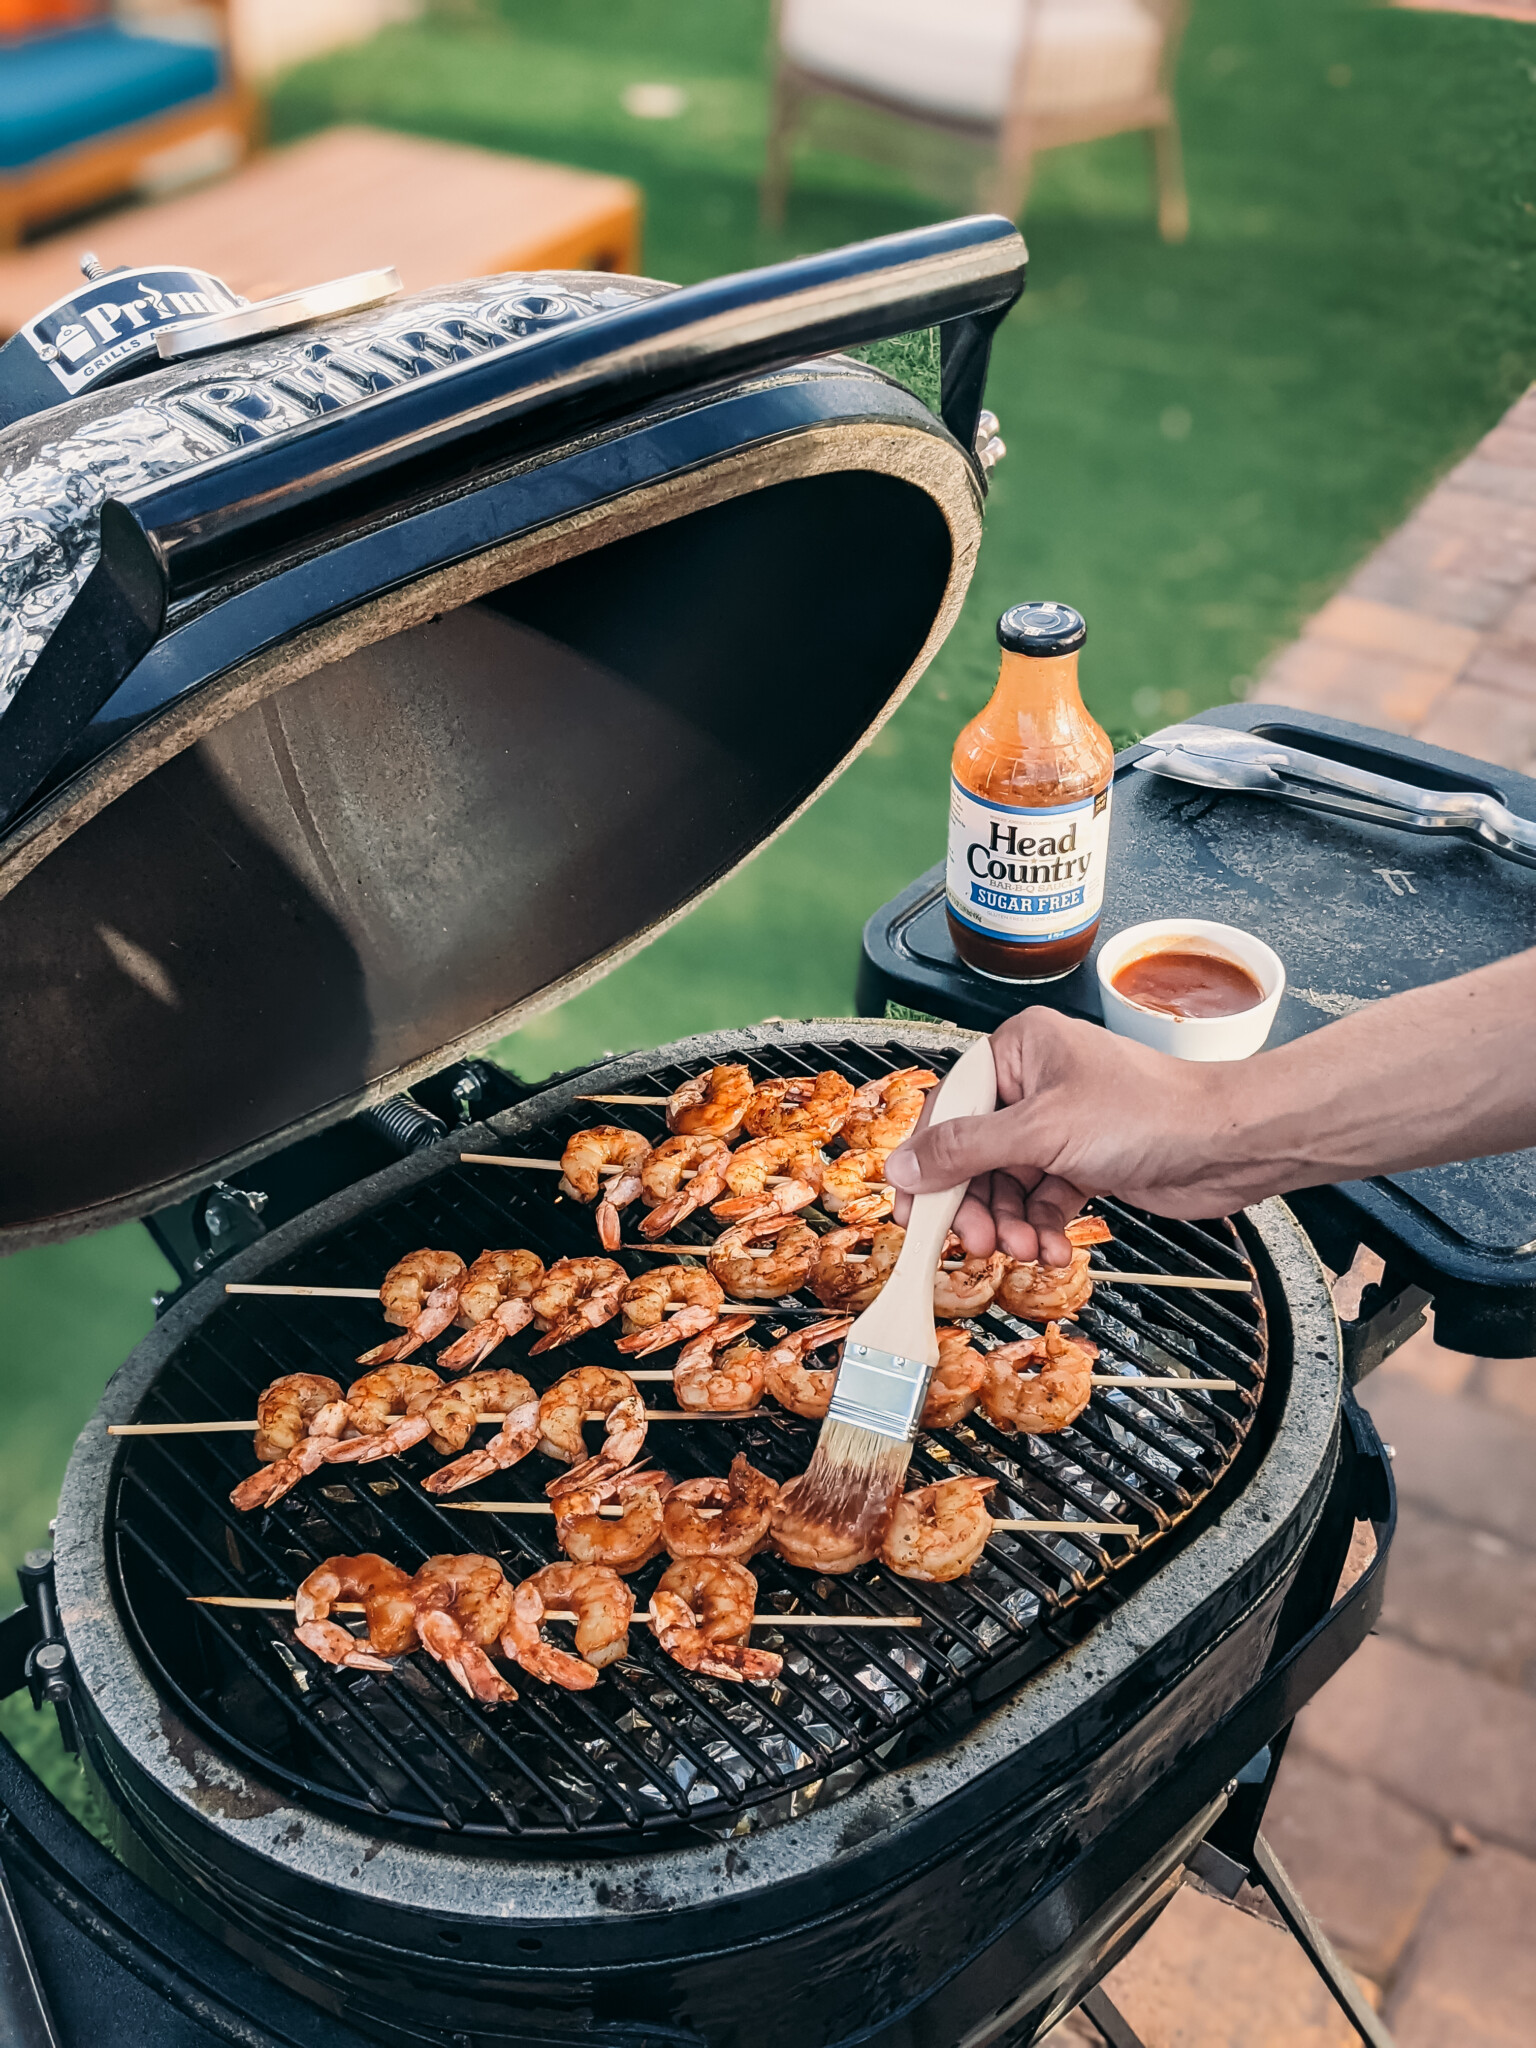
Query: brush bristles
pixel 850 1486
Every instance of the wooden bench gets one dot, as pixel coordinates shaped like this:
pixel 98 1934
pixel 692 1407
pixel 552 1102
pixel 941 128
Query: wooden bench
pixel 352 199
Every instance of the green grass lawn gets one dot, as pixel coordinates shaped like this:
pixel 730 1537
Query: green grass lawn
pixel 1204 440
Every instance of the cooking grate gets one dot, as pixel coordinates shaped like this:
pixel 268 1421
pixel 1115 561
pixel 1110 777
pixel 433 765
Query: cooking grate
pixel 652 1747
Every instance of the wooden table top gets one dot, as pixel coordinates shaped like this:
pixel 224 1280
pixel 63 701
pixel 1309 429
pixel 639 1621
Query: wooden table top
pixel 352 199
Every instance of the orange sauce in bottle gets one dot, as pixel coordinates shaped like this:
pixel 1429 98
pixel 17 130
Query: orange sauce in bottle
pixel 1029 808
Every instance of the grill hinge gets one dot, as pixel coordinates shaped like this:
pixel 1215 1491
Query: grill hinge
pixel 1391 1311
pixel 48 1670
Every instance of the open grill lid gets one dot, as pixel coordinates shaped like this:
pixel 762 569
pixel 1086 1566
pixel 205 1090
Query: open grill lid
pixel 368 689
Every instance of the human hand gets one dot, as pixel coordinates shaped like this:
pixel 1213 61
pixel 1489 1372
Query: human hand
pixel 1083 1113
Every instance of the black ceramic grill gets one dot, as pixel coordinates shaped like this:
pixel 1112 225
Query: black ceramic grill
pixel 653 1746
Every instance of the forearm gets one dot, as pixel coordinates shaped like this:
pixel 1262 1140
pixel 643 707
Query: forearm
pixel 1439 1073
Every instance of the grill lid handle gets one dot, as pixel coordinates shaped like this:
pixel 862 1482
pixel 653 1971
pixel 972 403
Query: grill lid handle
pixel 265 502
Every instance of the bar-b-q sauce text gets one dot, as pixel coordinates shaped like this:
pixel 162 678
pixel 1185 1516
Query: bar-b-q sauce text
pixel 1029 808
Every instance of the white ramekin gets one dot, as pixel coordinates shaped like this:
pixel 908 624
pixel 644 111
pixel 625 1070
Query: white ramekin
pixel 1192 1038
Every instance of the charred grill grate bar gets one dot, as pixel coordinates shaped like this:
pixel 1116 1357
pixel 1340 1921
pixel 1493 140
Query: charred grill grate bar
pixel 653 1747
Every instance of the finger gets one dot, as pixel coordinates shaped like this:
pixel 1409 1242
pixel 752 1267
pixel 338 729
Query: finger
pixel 1015 1233
pixel 974 1222
pixel 1050 1208
pixel 953 1153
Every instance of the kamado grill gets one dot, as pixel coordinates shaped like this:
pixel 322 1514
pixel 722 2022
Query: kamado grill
pixel 380 677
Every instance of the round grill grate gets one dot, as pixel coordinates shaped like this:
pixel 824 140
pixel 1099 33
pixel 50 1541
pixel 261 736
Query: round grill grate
pixel 651 1747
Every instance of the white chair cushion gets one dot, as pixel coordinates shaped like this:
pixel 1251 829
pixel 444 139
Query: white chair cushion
pixel 957 57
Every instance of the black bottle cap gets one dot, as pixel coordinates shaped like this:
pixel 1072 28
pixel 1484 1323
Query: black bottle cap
pixel 1041 629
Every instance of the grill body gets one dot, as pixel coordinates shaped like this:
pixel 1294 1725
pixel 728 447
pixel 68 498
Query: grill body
pixel 964 1893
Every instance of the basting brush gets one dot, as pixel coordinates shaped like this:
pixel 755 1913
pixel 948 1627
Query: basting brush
pixel 843 1502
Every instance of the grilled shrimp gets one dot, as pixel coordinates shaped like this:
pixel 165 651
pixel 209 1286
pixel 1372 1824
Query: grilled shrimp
pixel 581 1174
pixel 885 1112
pixel 453 1413
pixel 517 1436
pixel 271 1482
pixel 421 1294
pixel 1034 1291
pixel 462 1604
pixel 703 1610
pixel 384 1409
pixel 496 1301
pixel 285 1412
pixel 938 1532
pixel 646 1300
pixel 578 1295
pixel 745 1499
pixel 1041 1385
pixel 747 1278
pixel 810 1106
pixel 854 1188
pixel 815 1548
pixel 805 1389
pixel 602 1604
pixel 389 1611
pixel 956 1385
pixel 795 1165
pixel 705 1381
pixel 589 1537
pixel 968 1288
pixel 591 1390
pixel 712 1104
pixel 662 1180
pixel 841 1281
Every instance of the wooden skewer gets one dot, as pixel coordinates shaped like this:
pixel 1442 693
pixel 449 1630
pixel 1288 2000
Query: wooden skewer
pixel 336 1293
pixel 595 1415
pixel 1164 1383
pixel 1111 1279
pixel 632 1101
pixel 556 1614
pixel 534 1507
pixel 1073 1528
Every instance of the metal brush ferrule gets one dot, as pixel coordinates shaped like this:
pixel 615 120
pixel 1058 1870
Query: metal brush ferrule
pixel 880 1390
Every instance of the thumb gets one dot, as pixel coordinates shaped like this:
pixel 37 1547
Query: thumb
pixel 947 1155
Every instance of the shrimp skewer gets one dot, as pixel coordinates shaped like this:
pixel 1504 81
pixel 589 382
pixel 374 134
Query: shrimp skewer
pixel 1033 1291
pixel 706 1383
pixel 957 1382
pixel 564 1407
pixel 298 1417
pixel 385 1408
pixel 495 1302
pixel 587 1536
pixel 747 1277
pixel 421 1293
pixel 745 1500
pixel 1041 1385
pixel 462 1605
pixel 794 1164
pixel 577 1295
pixel 842 1281
pixel 661 1180
pixel 602 1604
pixel 938 1532
pixel 968 1288
pixel 390 1613
pixel 581 1174
pixel 885 1112
pixel 702 1611
pixel 517 1436
pixel 646 1300
pixel 712 1104
pixel 854 1188
pixel 805 1389
pixel 809 1106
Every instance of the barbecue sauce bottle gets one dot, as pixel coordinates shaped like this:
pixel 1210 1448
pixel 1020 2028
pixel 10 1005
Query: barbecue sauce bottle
pixel 1029 808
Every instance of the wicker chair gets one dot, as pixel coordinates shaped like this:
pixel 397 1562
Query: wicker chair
pixel 1010 77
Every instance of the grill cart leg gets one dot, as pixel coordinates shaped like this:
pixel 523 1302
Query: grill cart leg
pixel 1108 2019
pixel 1320 1952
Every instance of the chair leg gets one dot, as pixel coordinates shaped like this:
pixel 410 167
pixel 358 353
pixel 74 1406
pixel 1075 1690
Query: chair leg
pixel 782 121
pixel 1172 198
pixel 1004 184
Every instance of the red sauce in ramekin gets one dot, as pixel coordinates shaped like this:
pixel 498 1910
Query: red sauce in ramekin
pixel 1182 982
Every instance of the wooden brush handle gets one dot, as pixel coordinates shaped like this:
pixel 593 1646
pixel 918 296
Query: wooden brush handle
pixel 902 1313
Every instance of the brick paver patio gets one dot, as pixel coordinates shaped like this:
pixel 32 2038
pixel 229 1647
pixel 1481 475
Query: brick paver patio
pixel 1406 1806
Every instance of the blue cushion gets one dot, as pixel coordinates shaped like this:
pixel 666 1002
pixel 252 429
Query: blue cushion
pixel 63 89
